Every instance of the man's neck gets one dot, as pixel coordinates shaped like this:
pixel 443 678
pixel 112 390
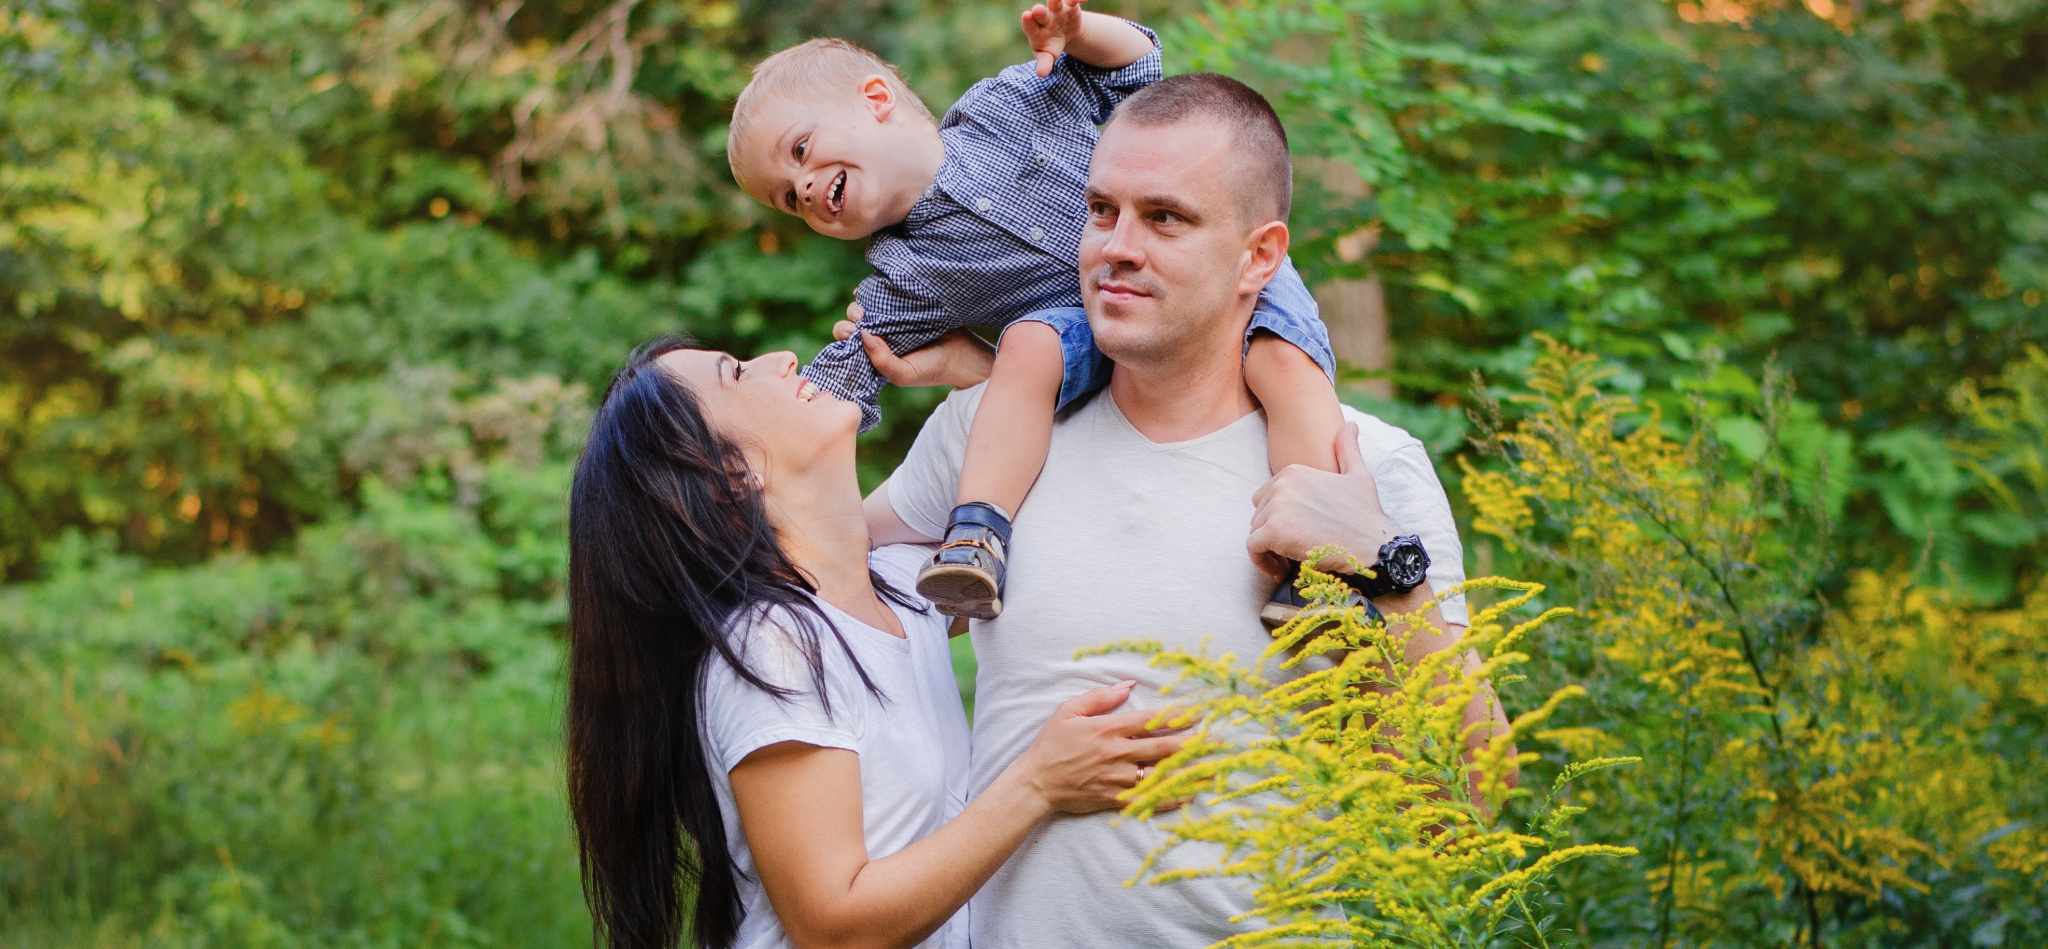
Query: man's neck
pixel 1185 395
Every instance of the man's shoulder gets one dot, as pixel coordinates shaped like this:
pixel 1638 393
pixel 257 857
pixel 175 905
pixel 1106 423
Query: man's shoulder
pixel 1379 439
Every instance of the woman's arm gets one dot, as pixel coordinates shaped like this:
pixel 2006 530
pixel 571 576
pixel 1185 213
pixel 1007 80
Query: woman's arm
pixel 800 807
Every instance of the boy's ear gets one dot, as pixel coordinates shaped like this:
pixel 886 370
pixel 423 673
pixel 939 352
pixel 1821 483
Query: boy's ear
pixel 878 96
pixel 1265 248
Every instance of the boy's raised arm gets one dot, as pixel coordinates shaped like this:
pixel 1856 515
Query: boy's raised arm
pixel 1100 40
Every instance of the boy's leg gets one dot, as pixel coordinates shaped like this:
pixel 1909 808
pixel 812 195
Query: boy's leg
pixel 1290 369
pixel 1045 359
pixel 1013 425
pixel 1303 416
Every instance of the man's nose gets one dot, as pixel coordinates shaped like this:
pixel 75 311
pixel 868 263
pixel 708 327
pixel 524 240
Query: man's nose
pixel 1124 247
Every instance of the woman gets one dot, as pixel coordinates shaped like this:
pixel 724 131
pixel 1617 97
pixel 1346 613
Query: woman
pixel 744 673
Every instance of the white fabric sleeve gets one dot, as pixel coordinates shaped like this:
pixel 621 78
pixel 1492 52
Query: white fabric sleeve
pixel 1412 495
pixel 740 718
pixel 924 488
pixel 900 563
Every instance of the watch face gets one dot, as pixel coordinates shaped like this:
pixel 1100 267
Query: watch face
pixel 1405 563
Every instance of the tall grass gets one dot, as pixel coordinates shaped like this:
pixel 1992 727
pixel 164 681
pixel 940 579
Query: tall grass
pixel 356 745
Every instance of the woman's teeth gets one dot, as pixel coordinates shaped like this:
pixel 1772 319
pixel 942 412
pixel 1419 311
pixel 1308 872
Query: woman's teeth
pixel 805 392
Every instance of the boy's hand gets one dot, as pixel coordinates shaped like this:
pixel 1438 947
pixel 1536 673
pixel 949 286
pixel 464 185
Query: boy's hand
pixel 1052 27
pixel 959 359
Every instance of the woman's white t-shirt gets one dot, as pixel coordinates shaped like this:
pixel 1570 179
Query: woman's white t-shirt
pixel 912 742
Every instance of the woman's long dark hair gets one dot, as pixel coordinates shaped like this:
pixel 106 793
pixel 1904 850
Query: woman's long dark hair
pixel 668 542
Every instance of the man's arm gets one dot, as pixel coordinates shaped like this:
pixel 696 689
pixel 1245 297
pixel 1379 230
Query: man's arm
pixel 1099 40
pixel 885 526
pixel 1303 508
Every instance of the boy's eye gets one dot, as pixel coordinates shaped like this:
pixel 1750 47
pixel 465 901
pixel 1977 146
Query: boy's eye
pixel 789 201
pixel 802 147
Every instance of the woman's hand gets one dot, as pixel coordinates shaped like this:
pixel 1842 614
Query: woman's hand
pixel 1085 758
pixel 959 359
pixel 801 809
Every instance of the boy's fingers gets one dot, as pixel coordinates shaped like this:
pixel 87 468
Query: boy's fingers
pixel 1047 58
pixel 843 329
pixel 854 312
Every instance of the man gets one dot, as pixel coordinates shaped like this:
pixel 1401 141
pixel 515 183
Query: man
pixel 1137 528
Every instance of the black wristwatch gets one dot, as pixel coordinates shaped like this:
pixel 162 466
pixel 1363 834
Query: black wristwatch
pixel 1403 566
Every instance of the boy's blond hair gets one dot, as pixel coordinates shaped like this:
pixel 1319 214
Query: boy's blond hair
pixel 822 68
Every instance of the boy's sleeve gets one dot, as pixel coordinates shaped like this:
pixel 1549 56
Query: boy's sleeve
pixel 1076 92
pixel 905 320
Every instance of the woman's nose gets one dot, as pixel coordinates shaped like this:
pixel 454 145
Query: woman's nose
pixel 781 364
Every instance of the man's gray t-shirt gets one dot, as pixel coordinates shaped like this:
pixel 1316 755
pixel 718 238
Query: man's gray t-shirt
pixel 1123 538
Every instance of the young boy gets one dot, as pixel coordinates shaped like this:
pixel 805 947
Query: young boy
pixel 977 220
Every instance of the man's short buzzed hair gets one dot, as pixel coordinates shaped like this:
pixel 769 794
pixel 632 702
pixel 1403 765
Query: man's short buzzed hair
pixel 1259 139
pixel 820 69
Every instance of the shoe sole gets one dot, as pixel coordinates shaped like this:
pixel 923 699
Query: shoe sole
pixel 959 591
pixel 1276 615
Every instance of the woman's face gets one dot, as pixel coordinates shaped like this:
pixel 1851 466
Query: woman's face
pixel 764 405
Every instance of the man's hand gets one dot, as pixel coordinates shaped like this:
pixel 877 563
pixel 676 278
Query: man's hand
pixel 1050 27
pixel 959 359
pixel 1302 508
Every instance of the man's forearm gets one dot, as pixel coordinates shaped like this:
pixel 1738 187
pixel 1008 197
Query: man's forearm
pixel 1107 42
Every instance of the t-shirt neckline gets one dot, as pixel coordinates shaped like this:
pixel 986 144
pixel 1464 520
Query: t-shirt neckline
pixel 902 642
pixel 1117 412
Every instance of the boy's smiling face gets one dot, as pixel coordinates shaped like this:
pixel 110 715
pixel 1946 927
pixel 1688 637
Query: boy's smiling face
pixel 848 166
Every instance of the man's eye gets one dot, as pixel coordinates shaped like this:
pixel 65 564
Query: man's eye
pixel 1165 217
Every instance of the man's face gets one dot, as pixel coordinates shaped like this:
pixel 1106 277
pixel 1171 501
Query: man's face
pixel 1163 257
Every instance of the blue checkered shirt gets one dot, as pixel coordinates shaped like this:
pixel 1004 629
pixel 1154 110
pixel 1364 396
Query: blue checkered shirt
pixel 998 233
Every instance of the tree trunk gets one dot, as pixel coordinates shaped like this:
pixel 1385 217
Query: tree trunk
pixel 1355 310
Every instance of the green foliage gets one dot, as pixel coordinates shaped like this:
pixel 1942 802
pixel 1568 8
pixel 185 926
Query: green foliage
pixel 1838 756
pixel 1684 186
pixel 352 743
pixel 302 302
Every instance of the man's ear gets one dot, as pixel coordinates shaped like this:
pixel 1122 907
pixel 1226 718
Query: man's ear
pixel 879 96
pixel 1265 248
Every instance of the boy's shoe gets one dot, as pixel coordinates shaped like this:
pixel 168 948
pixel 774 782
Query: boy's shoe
pixel 965 578
pixel 1287 602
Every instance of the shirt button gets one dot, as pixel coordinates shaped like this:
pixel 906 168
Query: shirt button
pixel 983 204
pixel 1037 234
pixel 1039 159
